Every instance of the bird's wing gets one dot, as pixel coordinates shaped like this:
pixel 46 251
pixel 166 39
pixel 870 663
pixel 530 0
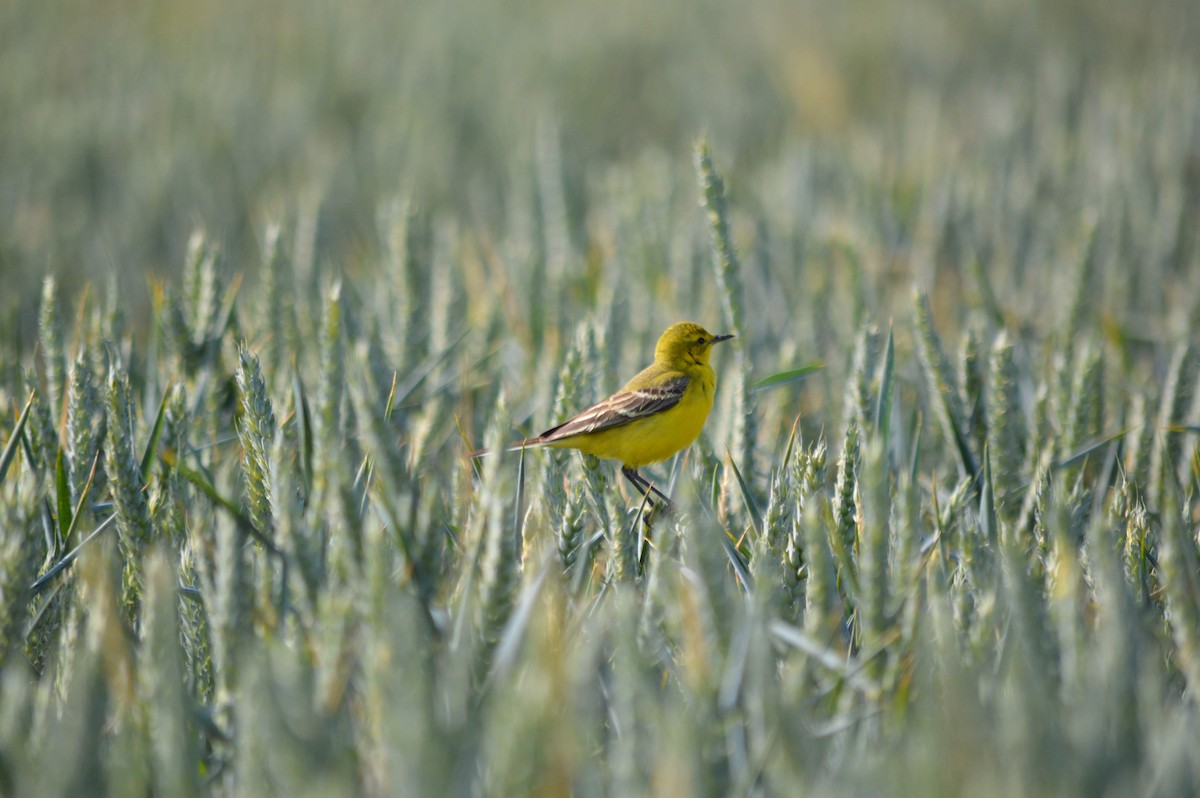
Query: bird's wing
pixel 619 409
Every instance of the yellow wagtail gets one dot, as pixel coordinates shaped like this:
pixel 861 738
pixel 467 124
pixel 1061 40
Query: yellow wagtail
pixel 658 413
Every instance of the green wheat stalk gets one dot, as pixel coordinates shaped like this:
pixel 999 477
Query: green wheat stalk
pixel 970 381
pixel 1176 399
pixel 1006 428
pixel 729 280
pixel 941 384
pixel 844 531
pixel 121 464
pixel 858 400
pixel 1178 568
pixel 499 564
pixel 256 430
pixel 85 424
pixel 173 754
pixel 50 336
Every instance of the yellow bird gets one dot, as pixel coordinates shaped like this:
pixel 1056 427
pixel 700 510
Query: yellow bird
pixel 658 413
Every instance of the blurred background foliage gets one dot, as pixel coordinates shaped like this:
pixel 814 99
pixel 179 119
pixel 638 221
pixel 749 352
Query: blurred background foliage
pixel 124 125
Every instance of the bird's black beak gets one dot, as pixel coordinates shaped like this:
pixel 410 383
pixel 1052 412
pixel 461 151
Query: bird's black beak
pixel 716 339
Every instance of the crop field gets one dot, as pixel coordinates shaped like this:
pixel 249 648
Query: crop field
pixel 270 272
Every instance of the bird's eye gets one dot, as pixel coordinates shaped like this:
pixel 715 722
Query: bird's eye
pixel 700 340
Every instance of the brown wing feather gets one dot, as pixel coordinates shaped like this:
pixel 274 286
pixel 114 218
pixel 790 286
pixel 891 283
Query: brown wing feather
pixel 618 410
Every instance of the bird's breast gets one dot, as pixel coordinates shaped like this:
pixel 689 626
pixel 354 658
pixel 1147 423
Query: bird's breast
pixel 707 380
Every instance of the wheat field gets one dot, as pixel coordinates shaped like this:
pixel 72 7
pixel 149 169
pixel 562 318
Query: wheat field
pixel 272 272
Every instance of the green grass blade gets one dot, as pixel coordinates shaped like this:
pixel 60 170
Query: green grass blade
pixel 69 558
pixel 303 430
pixel 965 456
pixel 883 400
pixel 83 495
pixel 1195 466
pixel 738 562
pixel 1091 448
pixel 39 615
pixel 205 485
pixel 62 493
pixel 518 526
pixel 826 657
pixel 10 451
pixel 391 400
pixel 751 505
pixel 404 392
pixel 987 501
pixel 785 377
pixel 155 434
pixel 914 463
pixel 943 387
pixel 637 532
pixel 791 444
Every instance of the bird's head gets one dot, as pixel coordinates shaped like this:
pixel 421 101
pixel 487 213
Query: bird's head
pixel 685 344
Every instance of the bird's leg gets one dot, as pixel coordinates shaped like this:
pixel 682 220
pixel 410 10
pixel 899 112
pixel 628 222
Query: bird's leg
pixel 643 486
pixel 647 515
